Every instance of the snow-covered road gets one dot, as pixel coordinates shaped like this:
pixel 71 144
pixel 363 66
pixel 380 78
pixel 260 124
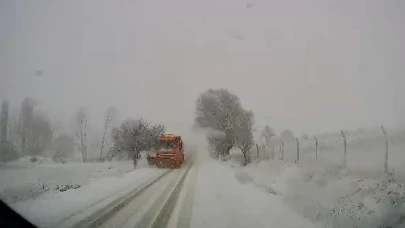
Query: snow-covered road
pixel 52 208
pixel 222 199
pixel 204 193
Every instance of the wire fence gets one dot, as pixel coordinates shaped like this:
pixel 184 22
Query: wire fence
pixel 368 149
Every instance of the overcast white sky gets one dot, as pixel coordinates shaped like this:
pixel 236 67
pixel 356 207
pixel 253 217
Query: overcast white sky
pixel 315 65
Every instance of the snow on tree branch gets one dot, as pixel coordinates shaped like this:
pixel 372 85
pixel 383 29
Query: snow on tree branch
pixel 221 111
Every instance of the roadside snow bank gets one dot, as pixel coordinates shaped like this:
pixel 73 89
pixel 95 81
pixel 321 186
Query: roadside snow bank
pixel 332 196
pixel 29 160
pixel 52 207
pixel 22 180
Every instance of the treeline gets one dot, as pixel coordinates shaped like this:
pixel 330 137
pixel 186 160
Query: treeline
pixel 29 133
pixel 32 133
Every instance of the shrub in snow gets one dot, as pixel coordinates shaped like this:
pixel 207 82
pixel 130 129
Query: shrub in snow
pixel 65 187
pixel 33 159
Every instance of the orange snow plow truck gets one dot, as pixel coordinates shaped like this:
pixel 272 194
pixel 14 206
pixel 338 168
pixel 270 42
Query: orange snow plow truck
pixel 171 153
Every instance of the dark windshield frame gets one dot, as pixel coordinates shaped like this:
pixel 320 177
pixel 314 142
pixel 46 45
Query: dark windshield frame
pixel 168 144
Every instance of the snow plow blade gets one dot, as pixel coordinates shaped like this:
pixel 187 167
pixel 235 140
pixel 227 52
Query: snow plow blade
pixel 170 155
pixel 168 163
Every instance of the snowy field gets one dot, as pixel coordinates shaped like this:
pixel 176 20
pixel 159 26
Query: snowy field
pixel 329 195
pixel 309 193
pixel 22 180
pixel 326 192
pixel 33 192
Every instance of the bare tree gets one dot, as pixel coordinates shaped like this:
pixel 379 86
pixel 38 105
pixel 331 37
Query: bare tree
pixel 25 121
pixel 13 132
pixel 56 132
pixel 107 124
pixel 56 129
pixel 244 134
pixel 7 150
pixel 39 138
pixel 81 118
pixel 4 121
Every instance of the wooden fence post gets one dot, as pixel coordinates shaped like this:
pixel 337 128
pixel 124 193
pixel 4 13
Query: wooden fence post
pixel 282 150
pixel 344 141
pixel 386 150
pixel 298 150
pixel 316 147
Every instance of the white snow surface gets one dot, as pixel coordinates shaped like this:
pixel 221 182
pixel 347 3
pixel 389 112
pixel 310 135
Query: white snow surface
pixel 52 207
pixel 311 193
pixel 324 190
pixel 224 199
pixel 331 196
pixel 22 180
pixel 33 188
pixel 365 149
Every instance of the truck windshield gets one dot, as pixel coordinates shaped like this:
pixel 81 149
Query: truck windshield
pixel 168 144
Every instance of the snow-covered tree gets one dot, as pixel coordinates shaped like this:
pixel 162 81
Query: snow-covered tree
pixel 30 133
pixel 132 136
pixel 56 129
pixel 25 121
pixel 107 124
pixel 267 133
pixel 243 131
pixel 155 132
pixel 13 135
pixel 3 121
pixel 219 110
pixel 34 129
pixel 40 134
pixel 7 149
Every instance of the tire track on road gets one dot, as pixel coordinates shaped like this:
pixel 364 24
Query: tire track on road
pixel 164 215
pixel 149 205
pixel 140 212
pixel 111 208
pixel 182 213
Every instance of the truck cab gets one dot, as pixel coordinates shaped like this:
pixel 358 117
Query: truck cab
pixel 170 152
